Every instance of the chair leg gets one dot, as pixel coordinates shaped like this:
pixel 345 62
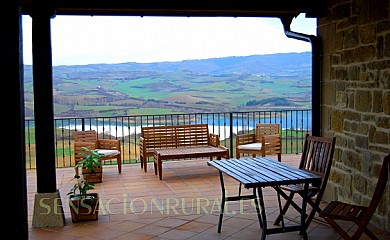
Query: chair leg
pixel 285 208
pixel 338 229
pixel 289 201
pixel 362 228
pixel 316 208
pixel 119 160
pixel 370 234
pixel 145 161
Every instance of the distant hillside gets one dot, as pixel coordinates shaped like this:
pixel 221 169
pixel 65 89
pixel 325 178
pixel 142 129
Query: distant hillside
pixel 209 85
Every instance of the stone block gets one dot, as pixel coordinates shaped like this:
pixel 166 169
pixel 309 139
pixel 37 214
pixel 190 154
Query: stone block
pixel 48 210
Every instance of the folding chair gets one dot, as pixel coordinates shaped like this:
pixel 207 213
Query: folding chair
pixel 317 157
pixel 360 215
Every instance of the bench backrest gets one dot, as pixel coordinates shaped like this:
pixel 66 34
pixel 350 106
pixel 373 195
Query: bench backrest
pixel 175 136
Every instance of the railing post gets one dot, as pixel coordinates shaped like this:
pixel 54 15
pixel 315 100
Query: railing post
pixel 231 133
pixel 83 124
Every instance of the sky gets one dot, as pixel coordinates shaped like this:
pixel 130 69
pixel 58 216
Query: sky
pixel 81 40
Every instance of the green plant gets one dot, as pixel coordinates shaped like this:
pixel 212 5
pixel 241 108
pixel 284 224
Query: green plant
pixel 81 188
pixel 91 160
pixel 83 205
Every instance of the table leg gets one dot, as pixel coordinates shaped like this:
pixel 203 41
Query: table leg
pixel 303 213
pixel 159 163
pixel 257 208
pixel 239 198
pixel 263 220
pixel 155 166
pixel 222 202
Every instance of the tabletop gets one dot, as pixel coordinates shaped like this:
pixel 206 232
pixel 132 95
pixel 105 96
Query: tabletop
pixel 183 152
pixel 263 172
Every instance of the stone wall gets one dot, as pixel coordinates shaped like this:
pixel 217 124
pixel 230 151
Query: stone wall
pixel 356 98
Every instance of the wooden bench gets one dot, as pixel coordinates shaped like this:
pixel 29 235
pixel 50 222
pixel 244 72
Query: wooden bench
pixel 178 142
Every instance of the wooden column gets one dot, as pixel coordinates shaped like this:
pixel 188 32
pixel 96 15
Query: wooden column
pixel 43 96
pixel 48 195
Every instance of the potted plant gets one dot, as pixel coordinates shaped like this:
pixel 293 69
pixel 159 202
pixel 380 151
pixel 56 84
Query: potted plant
pixel 91 166
pixel 83 206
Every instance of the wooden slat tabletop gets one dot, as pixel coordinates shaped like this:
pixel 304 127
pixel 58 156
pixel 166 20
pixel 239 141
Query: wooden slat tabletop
pixel 263 172
pixel 189 152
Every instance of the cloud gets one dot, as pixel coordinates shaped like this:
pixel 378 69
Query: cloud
pixel 78 40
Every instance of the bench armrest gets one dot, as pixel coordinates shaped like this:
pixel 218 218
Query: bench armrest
pixel 227 156
pixel 214 139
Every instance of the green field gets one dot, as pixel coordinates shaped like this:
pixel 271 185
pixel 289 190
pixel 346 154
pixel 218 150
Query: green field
pixel 211 85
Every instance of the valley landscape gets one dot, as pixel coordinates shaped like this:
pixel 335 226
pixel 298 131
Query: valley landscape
pixel 259 82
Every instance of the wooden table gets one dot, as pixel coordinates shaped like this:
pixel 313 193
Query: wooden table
pixel 262 172
pixel 187 152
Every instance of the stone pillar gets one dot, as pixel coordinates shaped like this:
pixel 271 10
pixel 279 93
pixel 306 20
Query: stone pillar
pixel 48 210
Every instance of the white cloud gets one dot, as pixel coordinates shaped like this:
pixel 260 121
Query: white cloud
pixel 84 39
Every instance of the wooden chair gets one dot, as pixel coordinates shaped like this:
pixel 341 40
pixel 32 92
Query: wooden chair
pixel 360 215
pixel 265 141
pixel 110 148
pixel 316 157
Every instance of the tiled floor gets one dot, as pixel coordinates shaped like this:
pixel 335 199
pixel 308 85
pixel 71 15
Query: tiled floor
pixel 183 205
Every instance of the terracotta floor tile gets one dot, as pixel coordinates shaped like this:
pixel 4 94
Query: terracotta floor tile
pixel 175 234
pixel 183 205
pixel 152 230
pixel 195 226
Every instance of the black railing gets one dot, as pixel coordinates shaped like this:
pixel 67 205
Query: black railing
pixel 294 123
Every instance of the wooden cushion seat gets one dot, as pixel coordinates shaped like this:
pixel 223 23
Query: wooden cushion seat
pixel 108 153
pixel 251 146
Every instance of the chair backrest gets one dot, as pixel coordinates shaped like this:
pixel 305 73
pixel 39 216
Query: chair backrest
pixel 266 129
pixel 380 187
pixel 317 156
pixel 85 136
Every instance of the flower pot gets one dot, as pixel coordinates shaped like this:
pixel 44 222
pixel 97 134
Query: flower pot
pixel 96 176
pixel 84 209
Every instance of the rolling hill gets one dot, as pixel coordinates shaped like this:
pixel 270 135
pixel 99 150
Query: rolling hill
pixel 207 85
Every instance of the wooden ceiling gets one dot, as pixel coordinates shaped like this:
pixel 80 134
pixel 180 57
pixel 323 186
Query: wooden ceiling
pixel 240 8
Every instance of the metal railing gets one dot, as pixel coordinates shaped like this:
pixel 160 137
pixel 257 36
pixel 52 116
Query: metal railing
pixel 295 124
